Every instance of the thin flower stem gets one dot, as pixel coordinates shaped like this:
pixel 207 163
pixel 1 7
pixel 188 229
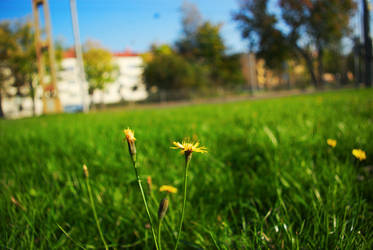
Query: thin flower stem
pixel 168 227
pixel 187 160
pixel 159 234
pixel 94 213
pixel 145 203
pixel 146 239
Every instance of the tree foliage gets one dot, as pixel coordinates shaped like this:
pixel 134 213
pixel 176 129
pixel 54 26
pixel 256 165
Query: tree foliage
pixel 23 57
pixel 258 26
pixel 201 40
pixel 301 28
pixel 191 20
pixel 18 58
pixel 100 68
pixel 6 46
pixel 209 43
pixel 199 59
pixel 18 66
pixel 169 70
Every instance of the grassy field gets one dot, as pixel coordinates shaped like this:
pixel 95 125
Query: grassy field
pixel 269 180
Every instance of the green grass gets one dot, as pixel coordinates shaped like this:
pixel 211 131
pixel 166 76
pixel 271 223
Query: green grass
pixel 269 179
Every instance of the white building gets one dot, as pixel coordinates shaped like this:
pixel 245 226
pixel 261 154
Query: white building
pixel 128 87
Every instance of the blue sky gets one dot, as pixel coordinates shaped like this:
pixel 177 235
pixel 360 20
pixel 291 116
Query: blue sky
pixel 133 24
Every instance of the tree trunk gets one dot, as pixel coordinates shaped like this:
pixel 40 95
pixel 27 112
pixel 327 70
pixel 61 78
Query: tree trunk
pixel 102 99
pixel 32 93
pixel 19 97
pixel 309 65
pixel 33 106
pixel 1 104
pixel 368 46
pixel 320 65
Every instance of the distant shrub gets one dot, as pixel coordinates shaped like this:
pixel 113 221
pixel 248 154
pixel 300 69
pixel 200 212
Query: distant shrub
pixel 172 71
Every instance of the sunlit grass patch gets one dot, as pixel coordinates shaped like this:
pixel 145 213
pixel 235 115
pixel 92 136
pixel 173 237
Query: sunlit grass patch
pixel 269 179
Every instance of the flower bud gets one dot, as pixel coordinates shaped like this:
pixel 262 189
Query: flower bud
pixel 130 137
pixel 85 169
pixel 149 181
pixel 163 206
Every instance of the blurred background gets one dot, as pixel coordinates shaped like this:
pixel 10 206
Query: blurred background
pixel 77 55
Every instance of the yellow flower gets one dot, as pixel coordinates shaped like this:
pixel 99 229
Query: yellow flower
pixel 130 135
pixel 189 147
pixel 331 142
pixel 359 154
pixel 168 188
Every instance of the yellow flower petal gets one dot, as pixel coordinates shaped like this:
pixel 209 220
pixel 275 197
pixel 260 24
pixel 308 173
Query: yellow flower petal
pixel 130 135
pixel 359 154
pixel 189 147
pixel 331 142
pixel 168 188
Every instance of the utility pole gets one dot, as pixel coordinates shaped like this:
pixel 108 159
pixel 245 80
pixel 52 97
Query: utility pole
pixel 249 71
pixel 79 56
pixel 367 45
pixel 51 102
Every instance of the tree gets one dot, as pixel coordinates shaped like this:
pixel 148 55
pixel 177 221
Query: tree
pixel 200 40
pixel 198 60
pixel 191 21
pixel 210 50
pixel 338 63
pixel 18 57
pixel 230 70
pixel 258 25
pixel 209 43
pixel 169 71
pixel 7 45
pixel 191 18
pixel 100 69
pixel 23 60
pixel 301 28
pixel 201 43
